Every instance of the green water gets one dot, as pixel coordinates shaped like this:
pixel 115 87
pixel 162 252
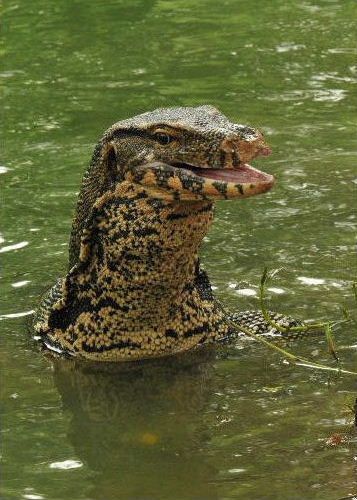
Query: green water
pixel 243 424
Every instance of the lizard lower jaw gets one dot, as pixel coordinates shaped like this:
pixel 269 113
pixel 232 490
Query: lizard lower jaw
pixel 239 182
pixel 185 182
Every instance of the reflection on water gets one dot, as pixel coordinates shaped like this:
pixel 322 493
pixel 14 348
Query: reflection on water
pixel 140 427
pixel 184 428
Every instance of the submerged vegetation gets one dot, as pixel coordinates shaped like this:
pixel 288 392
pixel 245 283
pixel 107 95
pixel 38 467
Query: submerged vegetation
pixel 324 327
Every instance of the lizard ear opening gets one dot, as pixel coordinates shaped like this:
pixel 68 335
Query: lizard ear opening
pixel 110 161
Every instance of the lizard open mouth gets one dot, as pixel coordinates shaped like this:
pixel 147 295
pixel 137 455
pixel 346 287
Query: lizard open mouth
pixel 186 182
pixel 243 174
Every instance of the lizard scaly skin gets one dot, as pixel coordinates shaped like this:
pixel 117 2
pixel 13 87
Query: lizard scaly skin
pixel 134 288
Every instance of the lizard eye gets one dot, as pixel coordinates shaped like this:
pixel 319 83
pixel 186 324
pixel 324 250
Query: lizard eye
pixel 163 138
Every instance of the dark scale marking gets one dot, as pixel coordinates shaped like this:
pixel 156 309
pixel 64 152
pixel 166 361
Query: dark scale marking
pixel 221 187
pixel 113 346
pixel 177 216
pixel 131 256
pixel 109 302
pixel 176 196
pixel 112 266
pixel 240 188
pixel 195 331
pixel 171 333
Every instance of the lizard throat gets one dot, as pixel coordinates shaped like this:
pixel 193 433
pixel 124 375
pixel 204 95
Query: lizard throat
pixel 137 278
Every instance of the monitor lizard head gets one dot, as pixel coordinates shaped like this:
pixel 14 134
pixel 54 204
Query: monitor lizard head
pixel 185 154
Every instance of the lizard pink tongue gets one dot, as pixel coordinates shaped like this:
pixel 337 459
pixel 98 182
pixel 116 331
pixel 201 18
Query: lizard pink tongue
pixel 244 174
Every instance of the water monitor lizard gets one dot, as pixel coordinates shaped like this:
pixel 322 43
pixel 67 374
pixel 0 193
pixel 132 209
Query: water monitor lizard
pixel 134 287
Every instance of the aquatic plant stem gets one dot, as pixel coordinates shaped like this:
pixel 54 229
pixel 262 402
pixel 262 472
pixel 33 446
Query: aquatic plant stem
pixel 297 360
pixel 303 328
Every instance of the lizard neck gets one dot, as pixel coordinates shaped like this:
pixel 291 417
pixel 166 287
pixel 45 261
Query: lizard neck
pixel 146 249
pixel 137 286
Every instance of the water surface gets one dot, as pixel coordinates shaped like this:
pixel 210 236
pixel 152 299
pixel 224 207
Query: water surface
pixel 243 424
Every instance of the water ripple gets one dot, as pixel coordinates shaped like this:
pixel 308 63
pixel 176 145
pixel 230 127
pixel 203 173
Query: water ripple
pixel 66 464
pixel 16 246
pixel 16 315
